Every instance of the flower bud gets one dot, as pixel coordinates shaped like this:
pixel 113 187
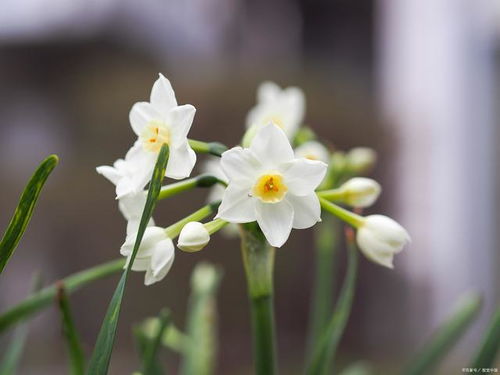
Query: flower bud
pixel 361 159
pixel 380 237
pixel 360 192
pixel 193 237
pixel 313 150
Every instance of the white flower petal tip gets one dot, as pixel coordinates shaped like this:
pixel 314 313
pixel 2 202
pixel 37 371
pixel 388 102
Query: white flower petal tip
pixel 267 184
pixel 193 237
pixel 313 150
pixel 155 255
pixel 285 108
pixel 380 238
pixel 360 192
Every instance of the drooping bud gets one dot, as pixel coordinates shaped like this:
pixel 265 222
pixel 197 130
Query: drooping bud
pixel 360 192
pixel 193 237
pixel 380 237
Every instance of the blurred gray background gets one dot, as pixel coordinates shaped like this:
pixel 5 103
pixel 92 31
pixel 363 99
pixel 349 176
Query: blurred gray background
pixel 417 80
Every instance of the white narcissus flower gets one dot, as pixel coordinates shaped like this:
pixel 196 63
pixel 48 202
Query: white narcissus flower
pixel 379 237
pixel 155 254
pixel 213 167
pixel 157 122
pixel 285 108
pixel 269 185
pixel 131 206
pixel 193 237
pixel 313 150
pixel 360 192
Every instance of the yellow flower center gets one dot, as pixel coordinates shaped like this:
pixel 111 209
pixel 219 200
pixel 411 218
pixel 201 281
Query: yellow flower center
pixel 311 157
pixel 154 135
pixel 270 188
pixel 276 120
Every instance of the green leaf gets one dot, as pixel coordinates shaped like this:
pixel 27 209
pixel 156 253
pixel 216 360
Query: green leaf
pixel 24 210
pixel 488 351
pixel 151 366
pixel 77 359
pixel 326 347
pixel 446 336
pixel 15 349
pixel 45 297
pixel 101 356
pixel 201 347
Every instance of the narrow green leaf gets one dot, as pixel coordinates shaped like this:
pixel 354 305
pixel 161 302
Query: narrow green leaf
pixel 44 297
pixel 445 337
pixel 201 347
pixel 101 356
pixel 24 210
pixel 488 350
pixel 15 349
pixel 76 357
pixel 326 347
pixel 151 365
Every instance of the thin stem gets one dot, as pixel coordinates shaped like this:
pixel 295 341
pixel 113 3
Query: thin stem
pixel 215 225
pixel 45 297
pixel 214 148
pixel 203 181
pixel 327 243
pixel 258 260
pixel 332 194
pixel 349 217
pixel 174 229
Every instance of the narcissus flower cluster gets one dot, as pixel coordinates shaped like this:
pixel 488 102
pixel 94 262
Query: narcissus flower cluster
pixel 280 177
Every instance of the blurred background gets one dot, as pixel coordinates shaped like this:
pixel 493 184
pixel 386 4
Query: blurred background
pixel 417 80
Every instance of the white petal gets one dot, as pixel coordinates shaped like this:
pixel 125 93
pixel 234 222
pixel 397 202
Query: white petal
pixel 271 146
pixel 180 120
pixel 268 91
pixel 294 104
pixel 141 114
pixel 275 220
pixel 151 237
pixel 181 161
pixel 133 224
pixel 307 210
pixel 162 94
pixel 141 164
pixel 237 206
pixel 240 164
pixel 112 174
pixel 161 262
pixel 132 205
pixel 140 264
pixel 302 176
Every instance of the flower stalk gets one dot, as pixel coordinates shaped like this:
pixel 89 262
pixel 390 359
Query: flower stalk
pixel 174 229
pixel 258 261
pixel 213 148
pixel 203 181
pixel 349 217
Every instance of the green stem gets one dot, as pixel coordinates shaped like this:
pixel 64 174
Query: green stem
pixel 349 217
pixel 45 297
pixel 214 148
pixel 179 187
pixel 174 229
pixel 326 347
pixel 258 261
pixel 326 250
pixel 332 194
pixel 215 225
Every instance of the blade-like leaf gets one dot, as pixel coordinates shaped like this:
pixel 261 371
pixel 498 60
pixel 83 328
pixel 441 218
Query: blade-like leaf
pixel 44 297
pixel 76 357
pixel 24 210
pixel 327 345
pixel 445 337
pixel 15 349
pixel 101 356
pixel 151 365
pixel 490 345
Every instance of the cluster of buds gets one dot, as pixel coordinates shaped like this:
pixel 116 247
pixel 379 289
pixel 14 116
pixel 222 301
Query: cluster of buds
pixel 273 179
